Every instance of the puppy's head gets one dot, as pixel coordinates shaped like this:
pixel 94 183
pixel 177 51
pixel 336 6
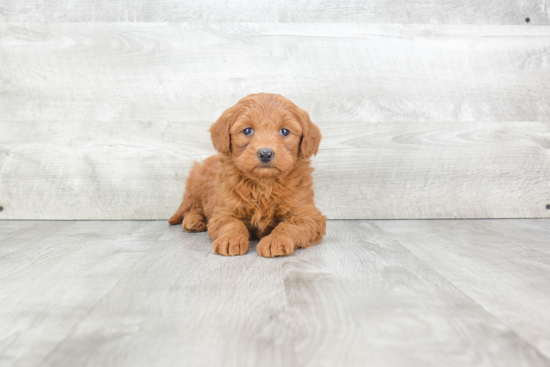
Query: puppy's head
pixel 266 134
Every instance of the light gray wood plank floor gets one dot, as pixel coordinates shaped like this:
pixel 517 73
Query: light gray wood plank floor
pixel 376 293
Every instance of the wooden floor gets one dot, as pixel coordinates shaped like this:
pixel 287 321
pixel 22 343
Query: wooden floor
pixel 374 293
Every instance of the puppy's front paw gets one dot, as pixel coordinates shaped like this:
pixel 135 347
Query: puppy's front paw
pixel 231 245
pixel 272 246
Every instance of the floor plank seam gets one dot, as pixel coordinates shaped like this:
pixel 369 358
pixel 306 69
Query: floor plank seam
pixel 547 357
pixel 515 332
pixel 30 243
pixel 60 343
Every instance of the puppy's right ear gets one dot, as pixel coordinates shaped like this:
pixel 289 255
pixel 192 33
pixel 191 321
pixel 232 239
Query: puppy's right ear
pixel 219 131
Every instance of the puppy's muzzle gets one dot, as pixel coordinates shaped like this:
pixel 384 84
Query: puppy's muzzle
pixel 266 155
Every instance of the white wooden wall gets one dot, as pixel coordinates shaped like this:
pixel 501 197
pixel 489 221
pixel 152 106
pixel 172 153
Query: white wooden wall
pixel 429 109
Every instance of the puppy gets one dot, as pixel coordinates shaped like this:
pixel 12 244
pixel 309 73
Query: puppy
pixel 260 184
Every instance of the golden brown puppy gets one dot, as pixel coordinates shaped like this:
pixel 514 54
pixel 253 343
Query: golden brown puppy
pixel 261 182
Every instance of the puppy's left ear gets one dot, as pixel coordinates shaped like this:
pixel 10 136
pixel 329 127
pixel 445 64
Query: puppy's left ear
pixel 311 136
pixel 219 131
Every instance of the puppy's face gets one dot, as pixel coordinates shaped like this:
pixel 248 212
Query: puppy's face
pixel 266 134
pixel 265 141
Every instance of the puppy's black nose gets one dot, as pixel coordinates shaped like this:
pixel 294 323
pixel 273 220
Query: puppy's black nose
pixel 266 155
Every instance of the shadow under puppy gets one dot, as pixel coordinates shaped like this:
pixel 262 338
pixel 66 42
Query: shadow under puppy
pixel 260 183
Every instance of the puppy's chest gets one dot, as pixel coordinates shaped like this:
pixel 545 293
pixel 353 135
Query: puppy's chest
pixel 263 209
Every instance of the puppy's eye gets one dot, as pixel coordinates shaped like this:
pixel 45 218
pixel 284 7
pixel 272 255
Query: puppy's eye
pixel 284 132
pixel 248 131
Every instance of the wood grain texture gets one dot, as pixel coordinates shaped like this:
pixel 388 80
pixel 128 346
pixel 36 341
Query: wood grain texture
pixel 137 170
pixel 504 266
pixel 184 305
pixel 337 72
pixel 57 275
pixel 362 298
pixel 15 235
pixel 376 11
pixel 359 297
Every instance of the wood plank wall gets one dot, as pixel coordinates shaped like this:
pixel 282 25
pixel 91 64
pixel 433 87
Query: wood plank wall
pixel 428 109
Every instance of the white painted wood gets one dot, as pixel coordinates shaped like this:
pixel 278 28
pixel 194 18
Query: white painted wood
pixel 137 170
pixel 374 11
pixel 361 295
pixel 337 72
pixel 96 170
pixel 57 276
pixel 503 265
pixel 74 98
pixel 434 170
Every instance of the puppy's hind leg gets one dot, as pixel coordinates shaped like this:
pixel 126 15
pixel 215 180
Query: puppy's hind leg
pixel 190 212
pixel 177 218
pixel 194 222
pixel 192 219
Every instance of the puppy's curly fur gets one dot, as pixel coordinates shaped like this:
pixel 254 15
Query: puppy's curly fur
pixel 243 192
